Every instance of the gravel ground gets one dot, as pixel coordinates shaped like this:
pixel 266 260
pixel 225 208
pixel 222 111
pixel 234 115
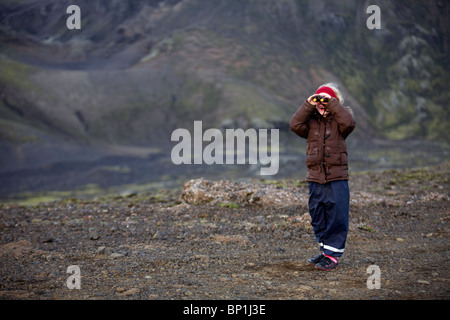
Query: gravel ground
pixel 160 247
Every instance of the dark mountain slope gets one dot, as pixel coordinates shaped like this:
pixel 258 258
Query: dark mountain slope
pixel 139 69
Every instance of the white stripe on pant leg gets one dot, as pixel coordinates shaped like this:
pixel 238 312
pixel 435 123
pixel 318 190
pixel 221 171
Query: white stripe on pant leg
pixel 333 249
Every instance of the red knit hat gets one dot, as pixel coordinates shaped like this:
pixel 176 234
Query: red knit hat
pixel 326 90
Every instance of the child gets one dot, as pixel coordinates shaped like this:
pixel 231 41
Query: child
pixel 325 123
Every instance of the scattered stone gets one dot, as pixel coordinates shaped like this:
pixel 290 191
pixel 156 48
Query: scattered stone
pixel 304 219
pixel 180 209
pixel 286 234
pixel 159 235
pixel 49 240
pixel 100 250
pixel 116 255
pixel 256 196
pixel 304 288
pixel 94 235
pixel 128 292
pixel 128 194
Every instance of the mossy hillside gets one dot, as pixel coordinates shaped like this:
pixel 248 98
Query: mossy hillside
pixel 14 83
pixel 16 74
pixel 16 133
pixel 241 60
pixel 234 80
pixel 398 75
pixel 32 110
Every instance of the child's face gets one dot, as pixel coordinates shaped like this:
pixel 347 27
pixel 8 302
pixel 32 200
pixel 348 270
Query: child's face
pixel 321 106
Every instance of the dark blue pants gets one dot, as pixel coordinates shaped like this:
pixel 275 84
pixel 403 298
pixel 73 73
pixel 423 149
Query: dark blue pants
pixel 329 206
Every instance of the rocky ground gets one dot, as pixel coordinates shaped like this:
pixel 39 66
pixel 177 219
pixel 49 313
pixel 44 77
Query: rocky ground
pixel 231 240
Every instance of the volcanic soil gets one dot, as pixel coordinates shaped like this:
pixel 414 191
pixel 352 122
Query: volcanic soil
pixel 163 246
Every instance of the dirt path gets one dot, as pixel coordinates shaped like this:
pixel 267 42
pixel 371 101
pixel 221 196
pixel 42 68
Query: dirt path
pixel 158 247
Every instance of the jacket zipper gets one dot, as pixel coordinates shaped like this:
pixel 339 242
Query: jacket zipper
pixel 324 154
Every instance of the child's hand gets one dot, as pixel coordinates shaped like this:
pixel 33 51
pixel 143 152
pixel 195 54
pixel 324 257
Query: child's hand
pixel 310 100
pixel 325 95
pixel 321 106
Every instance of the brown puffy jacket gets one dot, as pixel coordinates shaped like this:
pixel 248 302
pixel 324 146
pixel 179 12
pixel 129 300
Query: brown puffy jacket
pixel 326 151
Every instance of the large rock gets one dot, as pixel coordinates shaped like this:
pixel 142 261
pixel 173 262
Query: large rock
pixel 201 191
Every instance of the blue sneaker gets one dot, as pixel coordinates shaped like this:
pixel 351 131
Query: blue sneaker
pixel 316 259
pixel 327 263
